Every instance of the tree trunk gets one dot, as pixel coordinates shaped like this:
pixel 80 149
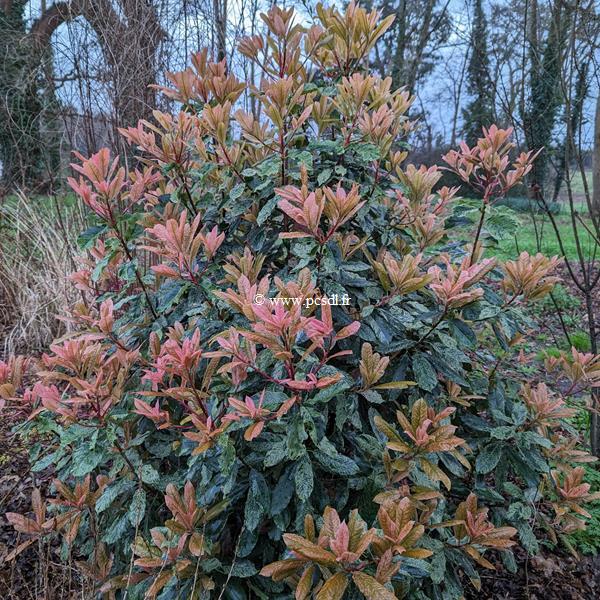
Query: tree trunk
pixel 595 419
pixel 129 46
pixel 544 101
pixel 220 28
pixel 28 132
pixel 398 63
pixel 596 168
pixel 581 90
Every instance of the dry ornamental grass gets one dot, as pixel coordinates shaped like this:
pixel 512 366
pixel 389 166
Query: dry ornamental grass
pixel 37 254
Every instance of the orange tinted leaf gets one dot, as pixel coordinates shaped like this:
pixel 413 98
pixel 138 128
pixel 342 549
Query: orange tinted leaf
pixel 395 385
pixel 158 584
pixel 293 234
pixel 503 532
pixel 334 588
pixel 305 584
pixel 460 458
pixel 476 556
pixel 418 553
pixel 149 563
pixel 331 522
pixel 38 506
pixel 73 528
pixel 450 523
pixel 496 543
pixel 122 581
pixel 476 583
pixel 418 413
pixel 12 555
pixel 7 391
pixel 22 524
pixel 348 330
pixel 371 588
pixel 104 560
pixel 281 569
pixel 404 422
pixel 399 447
pixel 308 549
pixel 386 429
pixel 309 528
pixel 435 473
pixel 196 544
pixel 253 430
pixel 214 511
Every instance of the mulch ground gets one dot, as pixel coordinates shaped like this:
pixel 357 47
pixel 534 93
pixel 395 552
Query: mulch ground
pixel 37 573
pixel 556 576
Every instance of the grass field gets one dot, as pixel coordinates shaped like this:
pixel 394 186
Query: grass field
pixel 536 233
pixel 577 185
pixel 526 238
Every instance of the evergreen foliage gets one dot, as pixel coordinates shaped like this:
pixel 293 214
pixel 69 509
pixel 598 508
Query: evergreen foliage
pixel 28 123
pixel 545 94
pixel 218 430
pixel 479 112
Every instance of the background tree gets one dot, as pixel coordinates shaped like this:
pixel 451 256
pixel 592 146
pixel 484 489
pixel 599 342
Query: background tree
pixel 409 49
pixel 479 112
pixel 28 125
pixel 129 36
pixel 596 173
pixel 575 63
pixel 544 103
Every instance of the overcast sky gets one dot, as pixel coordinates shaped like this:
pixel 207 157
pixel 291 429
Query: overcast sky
pixel 435 93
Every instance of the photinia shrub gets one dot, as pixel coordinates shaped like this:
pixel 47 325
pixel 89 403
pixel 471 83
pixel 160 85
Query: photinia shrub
pixel 295 372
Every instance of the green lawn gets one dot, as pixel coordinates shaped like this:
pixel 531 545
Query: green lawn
pixel 577 183
pixel 525 238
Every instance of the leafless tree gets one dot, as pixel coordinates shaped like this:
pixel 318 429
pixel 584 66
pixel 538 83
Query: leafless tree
pixel 579 68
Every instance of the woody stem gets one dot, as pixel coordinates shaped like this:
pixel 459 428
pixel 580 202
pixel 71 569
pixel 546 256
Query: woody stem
pixel 138 277
pixel 478 232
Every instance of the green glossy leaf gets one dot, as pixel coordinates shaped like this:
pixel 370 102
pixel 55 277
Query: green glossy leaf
pixel 138 507
pixel 304 479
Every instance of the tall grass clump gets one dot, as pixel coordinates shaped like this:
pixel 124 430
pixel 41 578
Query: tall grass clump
pixel 37 253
